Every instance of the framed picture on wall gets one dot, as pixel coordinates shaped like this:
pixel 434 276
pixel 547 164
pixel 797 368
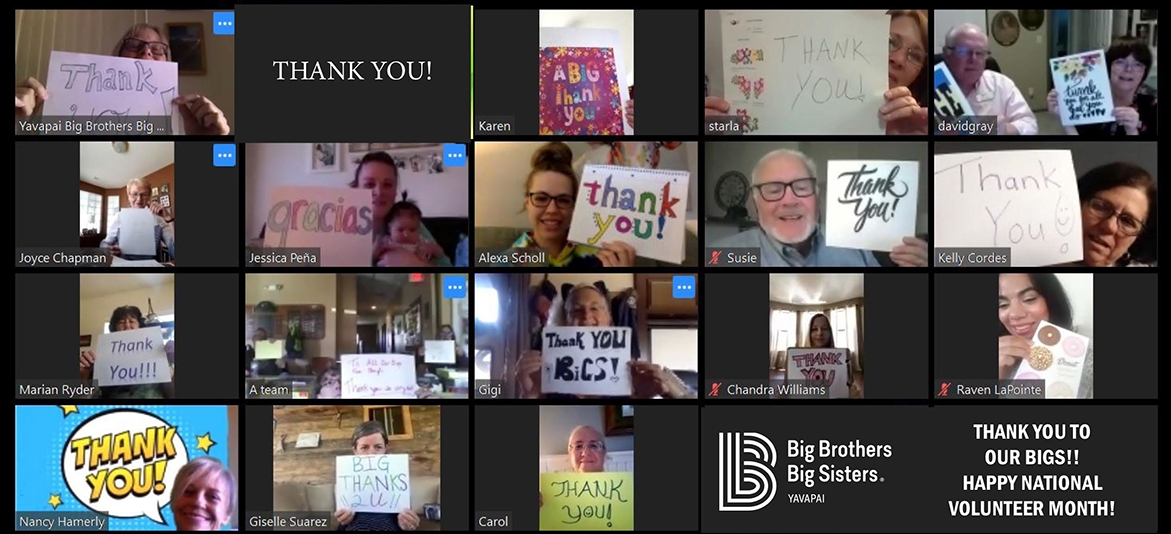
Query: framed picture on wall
pixel 164 188
pixel 619 420
pixel 1148 14
pixel 1143 32
pixel 324 157
pixel 165 201
pixel 187 47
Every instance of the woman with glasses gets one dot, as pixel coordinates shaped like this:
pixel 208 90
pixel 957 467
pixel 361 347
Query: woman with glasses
pixel 586 451
pixel 904 111
pixel 1136 109
pixel 550 195
pixel 1025 301
pixel 370 438
pixel 139 193
pixel 1119 216
pixel 142 41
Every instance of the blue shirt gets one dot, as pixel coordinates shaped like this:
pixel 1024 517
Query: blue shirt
pixel 773 253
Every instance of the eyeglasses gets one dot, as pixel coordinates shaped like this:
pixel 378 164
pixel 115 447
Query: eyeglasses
pixel 966 52
pixel 139 195
pixel 593 446
pixel 1104 210
pixel 157 49
pixel 774 191
pixel 915 55
pixel 1123 64
pixel 541 199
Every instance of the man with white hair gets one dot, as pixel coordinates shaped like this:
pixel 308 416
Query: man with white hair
pixel 784 190
pixel 138 192
pixel 965 52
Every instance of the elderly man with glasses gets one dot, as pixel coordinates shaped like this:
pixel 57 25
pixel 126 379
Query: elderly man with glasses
pixel 138 191
pixel 784 190
pixel 990 93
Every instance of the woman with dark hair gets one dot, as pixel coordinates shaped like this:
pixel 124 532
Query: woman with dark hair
pixel 821 336
pixel 130 318
pixel 142 41
pixel 1026 299
pixel 1136 110
pixel 378 172
pixel 549 199
pixel 904 110
pixel 1119 216
pixel 371 438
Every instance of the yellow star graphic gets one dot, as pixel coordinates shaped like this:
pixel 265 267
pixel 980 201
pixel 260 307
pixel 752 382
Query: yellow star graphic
pixel 68 410
pixel 205 443
pixel 54 500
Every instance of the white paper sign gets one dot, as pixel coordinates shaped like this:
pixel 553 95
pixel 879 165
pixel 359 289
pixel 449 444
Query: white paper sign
pixel 136 232
pixel 949 101
pixel 870 204
pixel 820 367
pixel 378 483
pixel 806 72
pixel 339 221
pixel 269 350
pixel 131 357
pixel 644 208
pixel 88 85
pixel 586 360
pixel 439 351
pixel 1083 88
pixel 1057 357
pixel 1026 200
pixel 378 376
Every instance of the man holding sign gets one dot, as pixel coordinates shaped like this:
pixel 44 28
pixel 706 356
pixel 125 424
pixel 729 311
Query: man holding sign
pixel 784 189
pixel 989 93
pixel 372 484
pixel 589 306
pixel 142 42
pixel 610 504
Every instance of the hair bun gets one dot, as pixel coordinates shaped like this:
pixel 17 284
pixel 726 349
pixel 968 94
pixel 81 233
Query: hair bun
pixel 552 155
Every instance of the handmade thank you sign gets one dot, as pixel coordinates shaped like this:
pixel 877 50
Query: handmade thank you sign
pixel 92 86
pixel 339 221
pixel 377 483
pixel 948 101
pixel 586 360
pixel 587 501
pixel 806 72
pixel 644 208
pixel 580 94
pixel 131 357
pixel 378 376
pixel 1083 88
pixel 820 368
pixel 1058 357
pixel 1026 200
pixel 871 204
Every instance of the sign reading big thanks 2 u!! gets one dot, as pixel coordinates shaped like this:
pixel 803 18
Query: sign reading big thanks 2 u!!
pixel 644 208
pixel 339 221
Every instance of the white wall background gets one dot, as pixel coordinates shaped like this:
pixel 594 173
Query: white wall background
pixel 270 165
pixel 40 32
pixel 502 168
pixel 621 20
pixel 1079 287
pixel 557 422
pixel 946 19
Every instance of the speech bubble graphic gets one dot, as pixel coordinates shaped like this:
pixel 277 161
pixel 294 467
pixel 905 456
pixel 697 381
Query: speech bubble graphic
pixel 123 463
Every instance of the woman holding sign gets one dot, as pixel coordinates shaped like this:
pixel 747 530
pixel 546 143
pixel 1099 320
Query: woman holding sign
pixel 821 336
pixel 904 111
pixel 146 42
pixel 130 318
pixel 1025 301
pixel 588 305
pixel 378 172
pixel 138 191
pixel 1136 109
pixel 371 438
pixel 549 199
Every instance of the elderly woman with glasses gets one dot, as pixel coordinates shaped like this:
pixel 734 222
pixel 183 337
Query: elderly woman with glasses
pixel 142 41
pixel 138 191
pixel 587 451
pixel 1136 109
pixel 904 111
pixel 1119 216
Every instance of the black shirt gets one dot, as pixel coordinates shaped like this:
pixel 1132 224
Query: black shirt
pixel 1146 103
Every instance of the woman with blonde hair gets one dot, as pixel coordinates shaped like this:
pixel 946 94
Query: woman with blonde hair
pixel 138 192
pixel 203 496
